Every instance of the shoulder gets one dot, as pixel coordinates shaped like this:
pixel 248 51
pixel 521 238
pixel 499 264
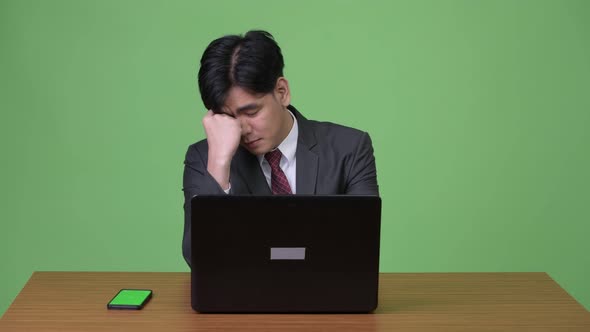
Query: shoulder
pixel 333 128
pixel 197 150
pixel 332 133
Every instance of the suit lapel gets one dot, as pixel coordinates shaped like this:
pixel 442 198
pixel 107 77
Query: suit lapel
pixel 307 160
pixel 307 170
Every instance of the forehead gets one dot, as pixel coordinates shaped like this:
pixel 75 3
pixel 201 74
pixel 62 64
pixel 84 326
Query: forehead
pixel 238 97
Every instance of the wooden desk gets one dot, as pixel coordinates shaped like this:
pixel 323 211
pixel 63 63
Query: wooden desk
pixel 76 301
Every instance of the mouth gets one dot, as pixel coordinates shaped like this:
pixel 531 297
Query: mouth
pixel 252 142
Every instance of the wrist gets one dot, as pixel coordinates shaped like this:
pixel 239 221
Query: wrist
pixel 219 170
pixel 219 158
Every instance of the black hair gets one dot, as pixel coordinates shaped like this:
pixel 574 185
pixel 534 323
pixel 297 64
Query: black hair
pixel 253 62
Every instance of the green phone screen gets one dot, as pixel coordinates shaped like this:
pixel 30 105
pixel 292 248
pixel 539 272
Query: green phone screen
pixel 130 298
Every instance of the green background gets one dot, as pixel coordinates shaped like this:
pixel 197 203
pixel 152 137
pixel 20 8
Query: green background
pixel 478 110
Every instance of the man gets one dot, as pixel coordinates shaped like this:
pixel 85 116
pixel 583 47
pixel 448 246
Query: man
pixel 257 143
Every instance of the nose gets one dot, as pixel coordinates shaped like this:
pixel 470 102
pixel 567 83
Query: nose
pixel 246 128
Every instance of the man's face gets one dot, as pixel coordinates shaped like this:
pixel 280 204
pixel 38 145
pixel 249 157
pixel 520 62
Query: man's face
pixel 264 118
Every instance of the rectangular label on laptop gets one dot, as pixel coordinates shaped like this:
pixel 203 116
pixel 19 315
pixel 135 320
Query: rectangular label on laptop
pixel 287 253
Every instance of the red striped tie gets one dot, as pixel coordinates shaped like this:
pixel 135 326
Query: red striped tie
pixel 278 180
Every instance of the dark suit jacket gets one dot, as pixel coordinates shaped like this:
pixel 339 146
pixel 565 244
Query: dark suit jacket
pixel 331 160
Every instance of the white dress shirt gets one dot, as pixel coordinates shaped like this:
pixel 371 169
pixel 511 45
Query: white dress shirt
pixel 288 162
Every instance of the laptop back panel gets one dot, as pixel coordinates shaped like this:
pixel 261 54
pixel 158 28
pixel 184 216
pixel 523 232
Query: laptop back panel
pixel 285 253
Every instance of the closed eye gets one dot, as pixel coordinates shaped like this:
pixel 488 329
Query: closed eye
pixel 252 113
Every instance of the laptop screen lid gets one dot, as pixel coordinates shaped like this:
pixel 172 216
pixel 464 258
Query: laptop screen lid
pixel 291 253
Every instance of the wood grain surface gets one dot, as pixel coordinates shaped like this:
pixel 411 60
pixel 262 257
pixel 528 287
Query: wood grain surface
pixel 76 301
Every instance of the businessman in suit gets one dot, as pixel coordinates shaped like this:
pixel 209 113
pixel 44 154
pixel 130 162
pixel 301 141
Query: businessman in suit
pixel 257 142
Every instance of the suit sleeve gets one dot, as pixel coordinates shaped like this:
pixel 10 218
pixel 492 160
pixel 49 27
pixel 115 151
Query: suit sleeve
pixel 196 181
pixel 362 176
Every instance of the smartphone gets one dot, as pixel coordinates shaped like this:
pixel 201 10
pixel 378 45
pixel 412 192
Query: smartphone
pixel 133 299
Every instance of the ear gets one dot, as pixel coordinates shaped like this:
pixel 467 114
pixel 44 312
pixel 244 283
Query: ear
pixel 282 91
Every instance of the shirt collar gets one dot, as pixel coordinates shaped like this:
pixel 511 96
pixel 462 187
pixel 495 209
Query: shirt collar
pixel 288 146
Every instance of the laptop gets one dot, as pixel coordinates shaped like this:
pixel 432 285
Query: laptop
pixel 285 253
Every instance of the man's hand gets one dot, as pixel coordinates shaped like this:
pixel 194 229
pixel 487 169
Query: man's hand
pixel 223 137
